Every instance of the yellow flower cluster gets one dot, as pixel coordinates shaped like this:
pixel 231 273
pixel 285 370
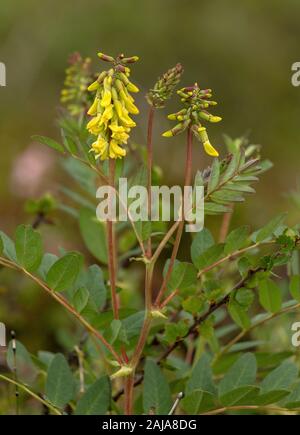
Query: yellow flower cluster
pixel 111 108
pixel 196 102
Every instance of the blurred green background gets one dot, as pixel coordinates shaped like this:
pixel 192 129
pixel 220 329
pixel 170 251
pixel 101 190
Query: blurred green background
pixel 243 50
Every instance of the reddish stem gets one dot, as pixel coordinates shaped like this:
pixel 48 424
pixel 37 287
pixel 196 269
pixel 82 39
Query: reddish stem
pixel 128 391
pixel 187 182
pixel 149 171
pixel 111 245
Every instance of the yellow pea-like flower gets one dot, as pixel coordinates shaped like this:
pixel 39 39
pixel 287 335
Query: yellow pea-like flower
pixel 101 148
pixel 94 86
pixel 107 115
pixel 119 133
pixel 123 114
pixel 115 151
pixel 132 88
pixel 167 133
pixel 111 108
pixel 121 88
pixel 196 101
pixel 130 106
pixel 94 122
pixel 119 108
pixel 210 150
pixel 94 107
pixel 127 121
pixel 215 119
pixel 106 99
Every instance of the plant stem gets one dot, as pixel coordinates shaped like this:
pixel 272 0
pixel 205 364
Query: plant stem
pixel 149 172
pixel 80 357
pixel 15 370
pixel 128 391
pixel 225 224
pixel 129 381
pixel 148 286
pixel 31 393
pixel 187 182
pixel 148 291
pixel 105 180
pixel 193 328
pixel 169 298
pixel 231 257
pixel 62 301
pixel 211 309
pixel 239 336
pixel 163 242
pixel 250 407
pixel 142 340
pixel 111 247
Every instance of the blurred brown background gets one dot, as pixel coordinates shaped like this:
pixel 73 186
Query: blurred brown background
pixel 242 50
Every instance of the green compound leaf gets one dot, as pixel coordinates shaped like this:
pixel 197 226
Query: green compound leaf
pixel 236 239
pixel 280 378
pixel 214 176
pixel 268 230
pixel 270 295
pixel 8 247
pixel 29 247
pixel 241 374
pixel 80 299
pixel 157 395
pixel 240 396
pixel 60 383
pixel 49 142
pixel 199 387
pixel 64 272
pixel 201 243
pixel 96 400
pixel 210 256
pixel 239 314
pixel 295 287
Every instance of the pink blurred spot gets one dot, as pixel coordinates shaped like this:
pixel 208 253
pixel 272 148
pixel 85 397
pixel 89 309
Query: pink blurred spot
pixel 29 171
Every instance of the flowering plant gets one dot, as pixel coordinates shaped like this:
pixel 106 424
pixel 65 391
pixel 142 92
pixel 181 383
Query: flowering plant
pixel 188 336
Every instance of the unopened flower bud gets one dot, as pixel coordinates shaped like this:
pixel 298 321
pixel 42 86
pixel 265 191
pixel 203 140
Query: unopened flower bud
pixel 164 87
pixel 105 57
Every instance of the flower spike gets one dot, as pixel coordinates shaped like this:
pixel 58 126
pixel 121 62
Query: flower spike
pixel 78 75
pixel 112 107
pixel 164 87
pixel 196 102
